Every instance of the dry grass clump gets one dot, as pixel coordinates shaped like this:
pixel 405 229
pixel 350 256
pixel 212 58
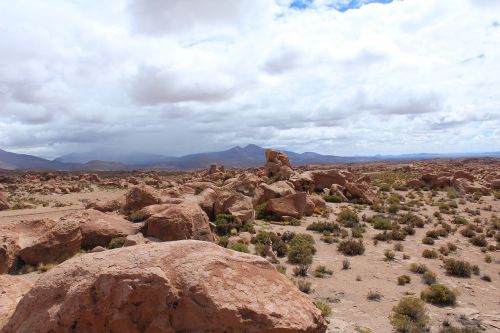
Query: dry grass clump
pixel 429 277
pixel 321 271
pixel 351 247
pixel 374 296
pixel 418 268
pixel 304 286
pixel 429 254
pixel 403 279
pixel 389 254
pixel 457 268
pixel 325 309
pixel 479 240
pixel 428 241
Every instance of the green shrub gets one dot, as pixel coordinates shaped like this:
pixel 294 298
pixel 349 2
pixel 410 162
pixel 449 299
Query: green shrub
pixel 381 223
pixel 348 218
pixel 321 271
pixel 301 250
pixel 117 243
pixel 137 216
pixel 466 329
pixel 278 244
pixel 457 268
pixel 325 309
pixel 224 223
pixel 332 198
pixel 261 212
pixel 409 315
pixel 439 294
pixel 428 241
pixel 351 247
pixel 460 220
pixel 223 241
pixel 323 226
pixel 412 220
pixel 357 232
pixel 479 240
pixel 301 270
pixel 294 222
pixel 239 247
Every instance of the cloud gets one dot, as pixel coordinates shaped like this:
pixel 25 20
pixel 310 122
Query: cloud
pixel 183 76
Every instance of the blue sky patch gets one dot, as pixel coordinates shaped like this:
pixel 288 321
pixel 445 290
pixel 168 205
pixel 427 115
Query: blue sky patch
pixel 341 6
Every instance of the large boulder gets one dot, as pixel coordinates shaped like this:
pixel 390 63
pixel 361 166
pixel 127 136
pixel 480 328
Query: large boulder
pixel 277 165
pixel 265 192
pixel 178 222
pixel 38 241
pixel 292 205
pixel 318 180
pixel 4 204
pixel 98 228
pixel 184 286
pixel 356 191
pixel 207 200
pixel 463 175
pixel 139 197
pixel 12 289
pixel 236 204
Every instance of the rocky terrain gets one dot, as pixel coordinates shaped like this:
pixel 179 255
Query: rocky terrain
pixel 408 246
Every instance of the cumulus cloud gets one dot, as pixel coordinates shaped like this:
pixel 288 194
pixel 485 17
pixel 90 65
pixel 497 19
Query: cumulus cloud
pixel 182 76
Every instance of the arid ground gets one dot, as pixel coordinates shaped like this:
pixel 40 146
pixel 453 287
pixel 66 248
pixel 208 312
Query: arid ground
pixel 371 224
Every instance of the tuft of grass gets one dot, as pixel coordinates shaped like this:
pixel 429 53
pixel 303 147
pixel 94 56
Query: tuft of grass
pixel 418 268
pixel 457 268
pixel 403 279
pixel 304 286
pixel 429 277
pixel 240 247
pixel 374 296
pixel 351 247
pixel 117 243
pixel 325 309
pixel 439 294
pixel 321 271
pixel 429 254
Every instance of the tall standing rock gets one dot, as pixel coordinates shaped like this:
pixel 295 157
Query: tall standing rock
pixel 184 286
pixel 4 204
pixel 277 165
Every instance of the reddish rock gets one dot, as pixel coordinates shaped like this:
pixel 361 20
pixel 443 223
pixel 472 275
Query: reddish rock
pixel 245 183
pixel 236 204
pixel 37 241
pixel 357 192
pixel 318 201
pixel 139 197
pixel 137 239
pixel 495 184
pixel 415 183
pixel 4 204
pixel 12 289
pixel 463 175
pixel 207 200
pixel 184 286
pixel 292 205
pixel 321 179
pixel 266 192
pixel 309 209
pixel 177 222
pixel 277 165
pixel 98 229
pixel 106 206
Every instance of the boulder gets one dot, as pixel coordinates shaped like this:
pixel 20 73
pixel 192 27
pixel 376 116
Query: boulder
pixel 463 175
pixel 207 200
pixel 137 239
pixel 106 206
pixel 277 165
pixel 98 229
pixel 321 179
pixel 177 222
pixel 38 241
pixel 355 191
pixel 292 205
pixel 12 289
pixel 495 184
pixel 139 197
pixel 310 206
pixel 278 189
pixel 184 286
pixel 4 204
pixel 236 204
pixel 245 183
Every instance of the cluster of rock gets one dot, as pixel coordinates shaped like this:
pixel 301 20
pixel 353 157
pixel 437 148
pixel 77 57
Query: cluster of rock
pixel 463 181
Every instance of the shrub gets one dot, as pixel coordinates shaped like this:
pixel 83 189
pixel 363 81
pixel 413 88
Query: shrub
pixel 321 271
pixel 418 268
pixel 428 241
pixel 452 247
pixel 460 220
pixel 403 279
pixel 409 315
pixel 439 294
pixel 475 270
pixel 457 268
pixel 224 223
pixel 332 198
pixel 281 269
pixel 466 329
pixel 374 296
pixel 381 223
pixel 479 240
pixel 486 278
pixel 444 250
pixel 346 264
pixel 429 254
pixel 301 250
pixel 409 230
pixel 42 268
pixel 223 241
pixel 323 226
pixel 348 218
pixel 357 232
pixel 325 309
pixel 468 232
pixel 294 222
pixel 117 243
pixel 137 216
pixel 398 247
pixel 304 286
pixel 412 220
pixel 389 254
pixel 301 270
pixel 261 212
pixel 278 244
pixel 239 247
pixel 351 247
pixel 429 277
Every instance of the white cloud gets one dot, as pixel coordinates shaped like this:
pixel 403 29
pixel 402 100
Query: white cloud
pixel 183 76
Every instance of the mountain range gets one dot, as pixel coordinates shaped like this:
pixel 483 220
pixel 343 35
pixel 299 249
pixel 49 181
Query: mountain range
pixel 239 157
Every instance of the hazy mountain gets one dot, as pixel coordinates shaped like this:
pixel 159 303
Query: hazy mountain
pixel 236 157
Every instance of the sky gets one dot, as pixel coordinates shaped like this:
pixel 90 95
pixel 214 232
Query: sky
pixel 343 77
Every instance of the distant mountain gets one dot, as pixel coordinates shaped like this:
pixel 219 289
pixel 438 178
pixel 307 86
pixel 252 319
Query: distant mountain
pixel 129 158
pixel 236 157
